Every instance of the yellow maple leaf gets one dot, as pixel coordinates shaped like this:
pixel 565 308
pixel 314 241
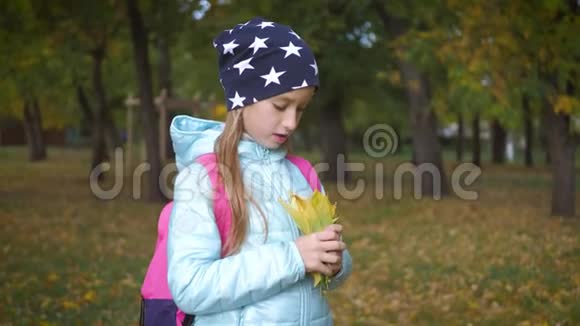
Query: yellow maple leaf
pixel 69 305
pixel 52 277
pixel 312 215
pixel 90 296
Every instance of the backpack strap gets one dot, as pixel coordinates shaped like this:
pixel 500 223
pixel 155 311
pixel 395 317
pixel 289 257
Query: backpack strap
pixel 307 171
pixel 221 205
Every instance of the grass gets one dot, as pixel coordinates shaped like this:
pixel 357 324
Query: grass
pixel 69 258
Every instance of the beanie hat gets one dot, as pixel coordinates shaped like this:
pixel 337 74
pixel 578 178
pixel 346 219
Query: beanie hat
pixel 261 59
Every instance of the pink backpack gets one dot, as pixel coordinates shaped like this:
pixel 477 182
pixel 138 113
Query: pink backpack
pixel 157 306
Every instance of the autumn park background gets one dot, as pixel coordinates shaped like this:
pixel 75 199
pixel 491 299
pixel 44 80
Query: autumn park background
pixel 490 88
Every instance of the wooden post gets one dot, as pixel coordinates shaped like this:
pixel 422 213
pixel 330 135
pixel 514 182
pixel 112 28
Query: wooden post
pixel 129 147
pixel 130 102
pixel 160 101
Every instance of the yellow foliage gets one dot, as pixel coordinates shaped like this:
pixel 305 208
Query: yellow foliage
pixel 566 104
pixel 394 77
pixel 46 323
pixel 70 305
pixel 52 277
pixel 312 215
pixel 90 296
pixel 219 112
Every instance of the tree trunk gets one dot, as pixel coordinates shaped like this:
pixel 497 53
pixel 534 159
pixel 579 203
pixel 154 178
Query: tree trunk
pixel 475 135
pixel 498 142
pixel 33 129
pixel 460 137
pixel 562 142
pixel 529 132
pixel 99 154
pixel 562 152
pixel 164 69
pixel 87 119
pixel 147 112
pixel 334 140
pixel 38 134
pixel 112 133
pixel 545 133
pixel 426 146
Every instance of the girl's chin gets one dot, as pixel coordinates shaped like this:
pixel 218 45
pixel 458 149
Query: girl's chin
pixel 269 144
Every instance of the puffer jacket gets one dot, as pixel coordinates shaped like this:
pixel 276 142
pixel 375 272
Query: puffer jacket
pixel 265 283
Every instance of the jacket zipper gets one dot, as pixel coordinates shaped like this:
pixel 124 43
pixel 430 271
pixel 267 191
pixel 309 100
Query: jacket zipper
pixel 304 305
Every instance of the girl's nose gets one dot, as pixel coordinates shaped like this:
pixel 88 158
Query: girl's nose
pixel 290 120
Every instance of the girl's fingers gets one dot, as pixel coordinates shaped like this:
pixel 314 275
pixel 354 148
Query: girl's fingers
pixel 336 228
pixel 333 245
pixel 330 258
pixel 324 269
pixel 327 235
pixel 332 232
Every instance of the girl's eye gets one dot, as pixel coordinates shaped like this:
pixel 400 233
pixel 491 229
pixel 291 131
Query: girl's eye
pixel 279 108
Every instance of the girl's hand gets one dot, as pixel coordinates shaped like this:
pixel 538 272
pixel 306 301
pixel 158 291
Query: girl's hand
pixel 336 267
pixel 320 249
pixel 336 229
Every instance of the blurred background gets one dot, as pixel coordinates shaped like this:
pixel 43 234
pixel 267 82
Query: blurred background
pixel 482 88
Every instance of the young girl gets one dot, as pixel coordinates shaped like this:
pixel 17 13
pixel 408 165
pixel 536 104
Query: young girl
pixel 259 276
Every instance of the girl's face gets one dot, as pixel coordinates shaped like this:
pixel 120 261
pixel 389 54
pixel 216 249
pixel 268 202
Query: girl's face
pixel 272 121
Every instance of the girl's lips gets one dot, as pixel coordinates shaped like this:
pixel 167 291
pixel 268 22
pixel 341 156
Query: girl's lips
pixel 280 138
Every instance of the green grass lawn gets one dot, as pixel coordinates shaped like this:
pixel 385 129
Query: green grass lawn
pixel 68 258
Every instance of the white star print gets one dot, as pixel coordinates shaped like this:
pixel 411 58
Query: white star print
pixel 259 43
pixel 304 84
pixel 315 66
pixel 294 33
pixel 291 49
pixel 214 44
pixel 244 24
pixel 266 24
pixel 243 65
pixel 229 47
pixel 272 77
pixel 237 100
pixel 229 30
pixel 255 100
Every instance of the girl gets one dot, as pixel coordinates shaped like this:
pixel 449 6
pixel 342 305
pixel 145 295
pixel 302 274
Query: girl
pixel 258 274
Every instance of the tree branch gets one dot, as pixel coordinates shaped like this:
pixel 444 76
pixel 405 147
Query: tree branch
pixel 393 25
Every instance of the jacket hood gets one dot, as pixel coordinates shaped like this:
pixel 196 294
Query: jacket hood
pixel 193 137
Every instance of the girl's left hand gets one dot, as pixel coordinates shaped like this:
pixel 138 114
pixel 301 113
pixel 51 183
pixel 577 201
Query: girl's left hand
pixel 335 267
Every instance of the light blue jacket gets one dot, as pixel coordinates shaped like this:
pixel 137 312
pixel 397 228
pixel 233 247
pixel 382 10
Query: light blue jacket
pixel 265 283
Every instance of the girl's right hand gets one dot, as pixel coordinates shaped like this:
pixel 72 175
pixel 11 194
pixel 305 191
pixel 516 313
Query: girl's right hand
pixel 318 249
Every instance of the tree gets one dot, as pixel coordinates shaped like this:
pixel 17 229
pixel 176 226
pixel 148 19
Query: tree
pixel 28 64
pixel 523 44
pixel 476 139
pixel 139 37
pixel 33 128
pixel 528 131
pixel 419 89
pixel 460 137
pixel 499 138
pixel 78 30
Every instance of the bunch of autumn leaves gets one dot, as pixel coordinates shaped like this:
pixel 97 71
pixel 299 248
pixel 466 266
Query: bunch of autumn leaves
pixel 312 215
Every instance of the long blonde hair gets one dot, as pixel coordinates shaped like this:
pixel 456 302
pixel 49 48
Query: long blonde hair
pixel 230 174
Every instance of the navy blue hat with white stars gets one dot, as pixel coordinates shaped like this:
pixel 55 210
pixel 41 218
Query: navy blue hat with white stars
pixel 260 59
